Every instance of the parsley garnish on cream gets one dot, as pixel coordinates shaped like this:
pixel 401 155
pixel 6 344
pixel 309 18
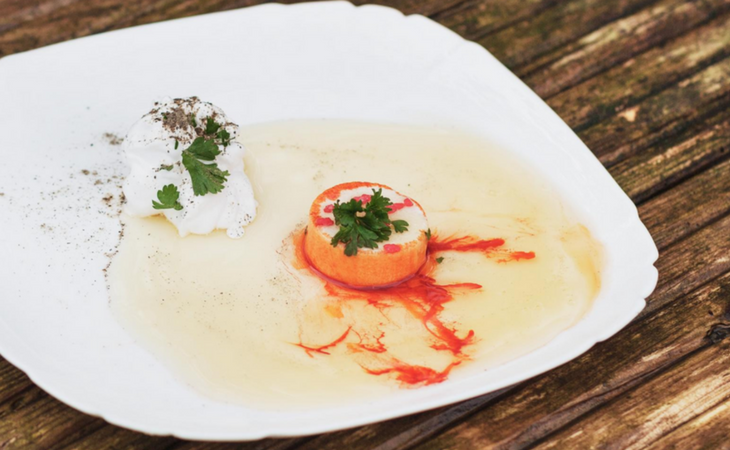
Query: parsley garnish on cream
pixel 365 226
pixel 206 178
pixel 168 198
pixel 190 146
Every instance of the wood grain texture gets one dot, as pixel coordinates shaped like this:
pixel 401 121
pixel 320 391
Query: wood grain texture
pixel 521 43
pixel 646 84
pixel 12 381
pixel 643 75
pixel 661 116
pixel 707 431
pixel 663 164
pixel 691 205
pixel 616 42
pixel 647 412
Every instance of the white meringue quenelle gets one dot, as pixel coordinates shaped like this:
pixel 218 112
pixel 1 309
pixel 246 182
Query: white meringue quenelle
pixel 154 147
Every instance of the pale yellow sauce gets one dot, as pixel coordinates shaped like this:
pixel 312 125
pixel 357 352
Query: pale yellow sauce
pixel 224 314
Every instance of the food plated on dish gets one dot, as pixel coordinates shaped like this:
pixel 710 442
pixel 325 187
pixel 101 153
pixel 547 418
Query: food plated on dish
pixel 339 289
pixel 215 316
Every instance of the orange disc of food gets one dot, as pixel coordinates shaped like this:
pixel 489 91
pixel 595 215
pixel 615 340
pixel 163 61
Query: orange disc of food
pixel 394 260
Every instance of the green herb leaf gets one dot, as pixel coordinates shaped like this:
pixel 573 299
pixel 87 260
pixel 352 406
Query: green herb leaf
pixel 166 167
pixel 176 144
pixel 206 178
pixel 440 259
pixel 204 149
pixel 364 226
pixel 168 198
pixel 211 127
pixel 193 122
pixel 224 136
pixel 400 226
pixel 428 234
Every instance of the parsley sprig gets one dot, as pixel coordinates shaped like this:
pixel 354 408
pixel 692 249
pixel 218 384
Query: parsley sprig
pixel 206 178
pixel 365 226
pixel 213 128
pixel 205 175
pixel 168 198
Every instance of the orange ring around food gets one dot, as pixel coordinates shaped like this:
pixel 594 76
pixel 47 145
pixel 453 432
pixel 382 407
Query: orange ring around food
pixel 370 267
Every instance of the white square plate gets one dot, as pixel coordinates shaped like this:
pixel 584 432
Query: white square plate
pixel 323 60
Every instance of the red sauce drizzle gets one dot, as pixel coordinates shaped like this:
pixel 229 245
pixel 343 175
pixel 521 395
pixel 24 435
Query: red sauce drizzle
pixel 364 198
pixel 322 348
pixel 376 347
pixel 395 207
pixel 324 222
pixel 423 298
pixel 490 247
pixel 412 375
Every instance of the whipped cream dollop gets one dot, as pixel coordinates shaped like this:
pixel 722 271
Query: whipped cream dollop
pixel 154 148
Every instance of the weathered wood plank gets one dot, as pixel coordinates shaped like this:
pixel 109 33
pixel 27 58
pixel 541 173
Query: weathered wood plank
pixel 690 263
pixel 691 205
pixel 656 168
pixel 655 70
pixel 403 432
pixel 111 437
pixel 12 381
pixel 12 404
pixel 15 12
pixel 537 35
pixel 662 115
pixel 25 27
pixel 475 19
pixel 264 444
pixel 553 400
pixel 707 431
pixel 43 422
pixel 423 7
pixel 617 42
pixel 647 412
pixel 62 20
pixel 33 419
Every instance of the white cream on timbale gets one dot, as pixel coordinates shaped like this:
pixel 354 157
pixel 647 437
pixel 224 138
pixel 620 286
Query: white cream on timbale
pixel 404 209
pixel 157 141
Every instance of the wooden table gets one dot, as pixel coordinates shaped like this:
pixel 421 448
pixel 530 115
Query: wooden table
pixel 646 84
